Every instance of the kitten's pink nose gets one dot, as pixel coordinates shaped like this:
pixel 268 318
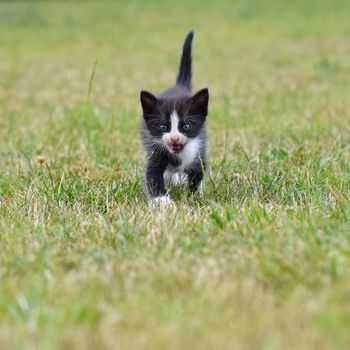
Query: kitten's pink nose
pixel 174 138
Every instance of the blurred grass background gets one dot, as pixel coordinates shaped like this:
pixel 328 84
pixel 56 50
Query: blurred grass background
pixel 261 261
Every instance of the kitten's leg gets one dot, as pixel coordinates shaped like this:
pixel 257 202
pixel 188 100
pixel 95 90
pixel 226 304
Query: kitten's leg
pixel 171 178
pixel 195 177
pixel 175 179
pixel 155 183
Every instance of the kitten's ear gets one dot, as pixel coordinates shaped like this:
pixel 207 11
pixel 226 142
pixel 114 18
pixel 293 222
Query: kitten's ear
pixel 199 103
pixel 148 102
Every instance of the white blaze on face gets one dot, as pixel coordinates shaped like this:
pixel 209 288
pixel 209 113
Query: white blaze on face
pixel 174 136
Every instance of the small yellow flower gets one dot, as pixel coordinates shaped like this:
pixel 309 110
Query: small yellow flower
pixel 41 160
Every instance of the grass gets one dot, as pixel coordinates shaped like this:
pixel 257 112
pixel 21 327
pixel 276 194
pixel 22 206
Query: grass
pixel 261 261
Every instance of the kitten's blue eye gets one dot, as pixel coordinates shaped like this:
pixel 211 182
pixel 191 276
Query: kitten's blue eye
pixel 162 127
pixel 186 127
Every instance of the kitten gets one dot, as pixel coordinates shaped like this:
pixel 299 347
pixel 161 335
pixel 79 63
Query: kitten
pixel 174 133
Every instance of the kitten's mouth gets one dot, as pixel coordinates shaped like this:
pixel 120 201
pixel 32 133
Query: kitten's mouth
pixel 176 147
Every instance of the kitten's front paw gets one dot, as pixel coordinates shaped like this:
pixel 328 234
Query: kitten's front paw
pixel 175 179
pixel 161 201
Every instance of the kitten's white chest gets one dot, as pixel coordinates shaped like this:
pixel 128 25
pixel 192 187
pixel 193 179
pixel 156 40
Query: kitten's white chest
pixel 176 175
pixel 189 154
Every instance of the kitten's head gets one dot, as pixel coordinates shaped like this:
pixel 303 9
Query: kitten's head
pixel 173 122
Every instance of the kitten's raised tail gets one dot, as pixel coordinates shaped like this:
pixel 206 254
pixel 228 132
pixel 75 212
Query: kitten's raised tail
pixel 185 71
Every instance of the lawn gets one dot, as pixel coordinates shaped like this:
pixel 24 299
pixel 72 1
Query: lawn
pixel 261 261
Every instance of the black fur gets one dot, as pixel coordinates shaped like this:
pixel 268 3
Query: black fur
pixel 192 110
pixel 185 70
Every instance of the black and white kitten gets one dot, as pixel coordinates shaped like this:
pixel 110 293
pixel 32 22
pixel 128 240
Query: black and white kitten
pixel 174 133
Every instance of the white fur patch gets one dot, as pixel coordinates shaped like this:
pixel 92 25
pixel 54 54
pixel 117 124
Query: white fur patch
pixel 200 187
pixel 189 153
pixel 161 201
pixel 174 119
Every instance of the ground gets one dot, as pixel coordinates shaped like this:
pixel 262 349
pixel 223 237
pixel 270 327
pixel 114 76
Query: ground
pixel 261 261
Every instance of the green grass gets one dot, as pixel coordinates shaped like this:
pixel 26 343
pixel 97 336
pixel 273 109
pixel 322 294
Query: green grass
pixel 262 261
